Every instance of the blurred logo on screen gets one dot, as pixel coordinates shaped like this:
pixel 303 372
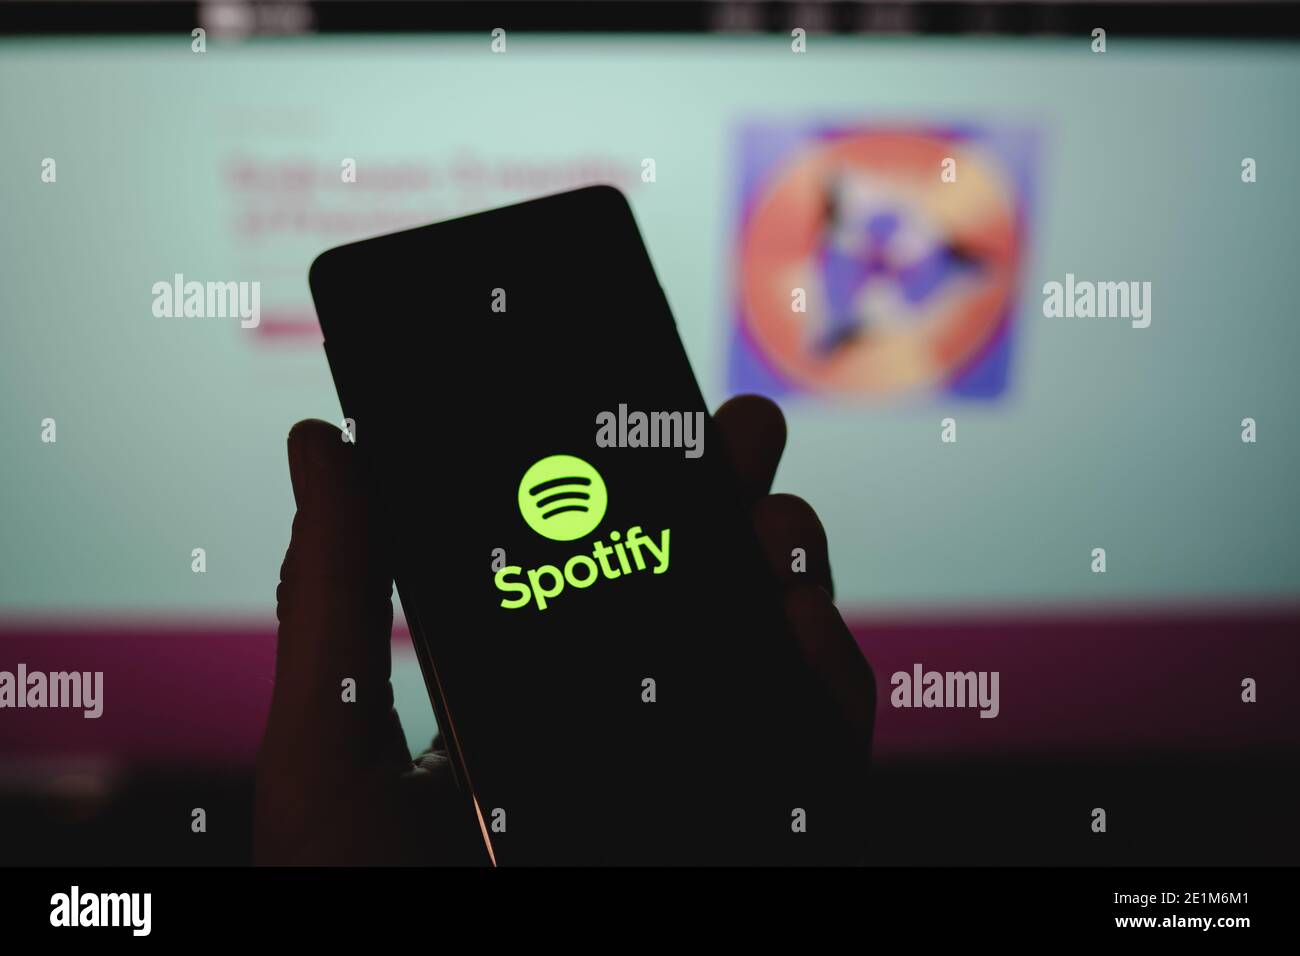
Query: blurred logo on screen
pixel 878 262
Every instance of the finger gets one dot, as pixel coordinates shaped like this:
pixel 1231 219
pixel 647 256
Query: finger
pixel 834 656
pixel 794 541
pixel 335 611
pixel 752 430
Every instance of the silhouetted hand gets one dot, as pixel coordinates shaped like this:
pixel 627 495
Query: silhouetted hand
pixel 336 783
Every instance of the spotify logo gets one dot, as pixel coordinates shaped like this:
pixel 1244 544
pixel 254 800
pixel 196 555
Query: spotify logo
pixel 562 498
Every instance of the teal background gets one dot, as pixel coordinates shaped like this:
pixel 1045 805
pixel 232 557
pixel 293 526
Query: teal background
pixel 171 431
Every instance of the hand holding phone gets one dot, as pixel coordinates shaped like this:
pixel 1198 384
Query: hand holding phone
pixel 668 715
pixel 338 786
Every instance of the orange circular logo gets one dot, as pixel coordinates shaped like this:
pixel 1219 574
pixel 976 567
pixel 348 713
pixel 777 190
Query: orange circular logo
pixel 878 263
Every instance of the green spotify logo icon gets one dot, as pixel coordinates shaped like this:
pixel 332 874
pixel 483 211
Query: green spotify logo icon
pixel 562 498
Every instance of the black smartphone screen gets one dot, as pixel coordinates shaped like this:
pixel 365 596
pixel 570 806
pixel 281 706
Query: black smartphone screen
pixel 606 648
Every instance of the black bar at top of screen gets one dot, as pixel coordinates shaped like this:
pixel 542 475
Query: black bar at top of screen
pixel 1242 20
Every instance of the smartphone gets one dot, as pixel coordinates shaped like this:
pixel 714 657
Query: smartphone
pixel 602 641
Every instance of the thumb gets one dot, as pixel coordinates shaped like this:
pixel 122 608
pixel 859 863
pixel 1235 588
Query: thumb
pixel 334 605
